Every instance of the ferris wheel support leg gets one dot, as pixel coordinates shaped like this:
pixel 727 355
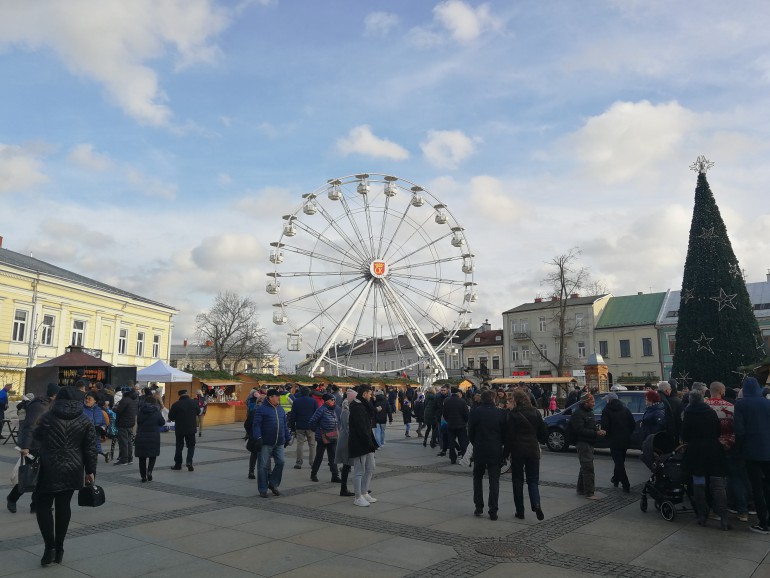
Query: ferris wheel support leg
pixel 416 332
pixel 333 337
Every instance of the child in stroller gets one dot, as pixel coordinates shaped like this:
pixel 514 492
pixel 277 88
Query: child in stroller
pixel 669 484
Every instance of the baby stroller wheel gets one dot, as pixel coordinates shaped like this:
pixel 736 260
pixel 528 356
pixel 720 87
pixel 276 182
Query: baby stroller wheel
pixel 643 503
pixel 668 511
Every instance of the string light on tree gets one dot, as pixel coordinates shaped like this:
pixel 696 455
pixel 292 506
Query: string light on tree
pixel 735 270
pixel 687 294
pixel 704 342
pixel 707 233
pixel 701 165
pixel 724 300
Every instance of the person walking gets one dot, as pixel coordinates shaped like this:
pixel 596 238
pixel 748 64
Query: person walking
pixel 455 413
pixel 752 432
pixel 526 431
pixel 342 457
pixel 583 428
pixel 302 409
pixel 147 443
pixel 96 416
pixel 126 410
pixel 406 413
pixel 203 405
pixel 362 445
pixel 487 432
pixel 431 425
pixel 552 407
pixel 271 435
pixel 4 406
pixel 382 408
pixel 324 424
pixel 184 414
pixel 619 423
pixel 419 413
pixel 66 442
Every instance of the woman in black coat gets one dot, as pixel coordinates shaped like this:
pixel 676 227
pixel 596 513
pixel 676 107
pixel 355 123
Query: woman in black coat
pixel 705 458
pixel 147 443
pixel 619 423
pixel 526 431
pixel 67 442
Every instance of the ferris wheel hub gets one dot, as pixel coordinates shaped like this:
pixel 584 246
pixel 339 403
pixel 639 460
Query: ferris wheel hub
pixel 378 268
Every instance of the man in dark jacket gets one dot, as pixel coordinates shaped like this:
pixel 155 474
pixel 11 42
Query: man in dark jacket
pixel 619 423
pixel 184 414
pixel 271 435
pixel 455 413
pixel 487 432
pixel 673 406
pixel 583 428
pixel 752 433
pixel 126 412
pixel 362 445
pixel 302 409
pixel 34 410
pixel 439 435
pixel 573 396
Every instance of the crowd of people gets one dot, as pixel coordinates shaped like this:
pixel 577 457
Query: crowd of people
pixel 725 435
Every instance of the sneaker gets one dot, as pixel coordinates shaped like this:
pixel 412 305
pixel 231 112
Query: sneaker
pixel 369 498
pixel 297 467
pixel 732 510
pixel 119 463
pixel 361 501
pixel 714 516
pixel 760 529
pixel 743 517
pixel 128 463
pixel 252 476
pixel 478 512
pixel 273 489
pixel 752 512
pixel 519 515
pixel 174 467
pixel 539 514
pixel 492 516
pixel 190 468
pixel 11 505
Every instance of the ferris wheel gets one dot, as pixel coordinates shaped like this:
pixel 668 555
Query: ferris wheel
pixel 374 275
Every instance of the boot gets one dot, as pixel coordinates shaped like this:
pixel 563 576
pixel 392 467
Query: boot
pixel 335 474
pixel 701 504
pixel 719 499
pixel 344 482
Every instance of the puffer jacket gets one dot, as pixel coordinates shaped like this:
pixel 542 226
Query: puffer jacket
pixel 67 442
pixel 752 422
pixel 149 421
pixel 430 408
pixel 270 425
pixel 324 419
pixel 654 419
pixel 303 409
pixel 96 417
pixel 582 425
pixel 381 416
pixel 127 409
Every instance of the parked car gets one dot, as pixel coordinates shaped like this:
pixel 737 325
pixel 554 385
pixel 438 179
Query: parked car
pixel 558 438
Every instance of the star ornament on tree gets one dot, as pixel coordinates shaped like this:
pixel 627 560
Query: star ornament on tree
pixel 684 377
pixel 701 165
pixel 735 270
pixel 707 233
pixel 687 294
pixel 724 300
pixel 704 342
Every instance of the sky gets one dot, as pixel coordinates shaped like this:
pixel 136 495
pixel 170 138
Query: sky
pixel 155 144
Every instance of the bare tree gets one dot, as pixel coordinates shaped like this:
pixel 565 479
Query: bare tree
pixel 233 328
pixel 564 279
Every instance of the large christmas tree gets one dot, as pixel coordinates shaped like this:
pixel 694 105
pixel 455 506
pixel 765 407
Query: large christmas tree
pixel 717 332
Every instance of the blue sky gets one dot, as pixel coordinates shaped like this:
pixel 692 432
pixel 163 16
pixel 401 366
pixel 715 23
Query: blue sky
pixel 155 144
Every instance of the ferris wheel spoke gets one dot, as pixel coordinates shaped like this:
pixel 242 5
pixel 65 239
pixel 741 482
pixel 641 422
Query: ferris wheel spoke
pixel 436 298
pixel 323 312
pixel 369 225
pixel 417 228
pixel 319 256
pixel 358 323
pixel 427 278
pixel 423 313
pixel 354 225
pixel 382 226
pixel 403 320
pixel 394 332
pixel 323 290
pixel 425 263
pixel 336 226
pixel 395 233
pixel 326 241
pixel 315 273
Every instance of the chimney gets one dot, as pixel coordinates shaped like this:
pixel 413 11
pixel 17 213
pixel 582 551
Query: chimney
pixel 640 293
pixel 1 246
pixel 185 343
pixel 209 343
pixel 768 271
pixel 538 299
pixel 574 296
pixel 554 298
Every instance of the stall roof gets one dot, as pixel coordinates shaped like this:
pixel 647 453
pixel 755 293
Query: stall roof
pixel 544 379
pixel 219 383
pixel 75 357
pixel 162 372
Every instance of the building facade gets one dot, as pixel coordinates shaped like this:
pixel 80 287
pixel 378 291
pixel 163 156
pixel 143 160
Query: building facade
pixel 483 353
pixel 190 357
pixel 44 309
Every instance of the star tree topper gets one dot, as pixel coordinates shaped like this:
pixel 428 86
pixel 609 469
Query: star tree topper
pixel 701 165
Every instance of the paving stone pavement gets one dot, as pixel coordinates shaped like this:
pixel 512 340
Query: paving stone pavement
pixel 211 521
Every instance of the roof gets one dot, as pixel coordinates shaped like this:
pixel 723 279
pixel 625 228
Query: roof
pixel 550 304
pixel 19 261
pixel 75 357
pixel 631 310
pixel 485 339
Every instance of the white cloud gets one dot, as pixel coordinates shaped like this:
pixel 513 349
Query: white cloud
pixel 629 139
pixel 495 200
pixel 220 251
pixel 447 148
pixel 379 23
pixel 361 140
pixel 84 155
pixel 149 186
pixel 462 21
pixel 224 179
pixel 112 41
pixel 20 168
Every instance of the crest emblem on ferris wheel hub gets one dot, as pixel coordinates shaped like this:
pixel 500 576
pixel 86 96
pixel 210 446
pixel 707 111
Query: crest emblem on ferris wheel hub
pixel 379 269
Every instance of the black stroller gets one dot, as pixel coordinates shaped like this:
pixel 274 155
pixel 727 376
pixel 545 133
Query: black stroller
pixel 668 485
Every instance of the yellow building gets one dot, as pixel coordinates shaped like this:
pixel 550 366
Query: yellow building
pixel 44 308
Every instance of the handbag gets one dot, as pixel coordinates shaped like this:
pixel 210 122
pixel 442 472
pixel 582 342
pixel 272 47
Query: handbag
pixel 329 437
pixel 91 496
pixel 29 471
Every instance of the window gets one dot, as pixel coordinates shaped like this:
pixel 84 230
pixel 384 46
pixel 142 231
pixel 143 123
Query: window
pixel 604 351
pixel 78 333
pixel 625 348
pixel 122 340
pixel 495 362
pixel 671 339
pixel 514 353
pixel 541 323
pixel 470 363
pixel 673 313
pixel 579 320
pixel 525 352
pixel 514 326
pixel 19 325
pixel 647 346
pixel 477 339
pixel 581 347
pixel 483 363
pixel 498 337
pixel 543 351
pixel 156 346
pixel 140 343
pixel 525 325
pixel 46 337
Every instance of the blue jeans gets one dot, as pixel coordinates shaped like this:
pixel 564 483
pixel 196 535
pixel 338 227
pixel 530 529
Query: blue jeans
pixel 265 477
pixel 531 466
pixel 379 434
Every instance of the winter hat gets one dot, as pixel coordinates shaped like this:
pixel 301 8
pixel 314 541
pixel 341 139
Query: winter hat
pixel 586 397
pixel 611 396
pixel 52 390
pixel 327 396
pixel 350 394
pixel 182 392
pixel 271 392
pixel 70 392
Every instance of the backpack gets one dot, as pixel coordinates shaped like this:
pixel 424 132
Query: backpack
pixel 112 427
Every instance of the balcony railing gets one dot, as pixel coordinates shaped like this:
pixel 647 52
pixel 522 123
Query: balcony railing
pixel 520 335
